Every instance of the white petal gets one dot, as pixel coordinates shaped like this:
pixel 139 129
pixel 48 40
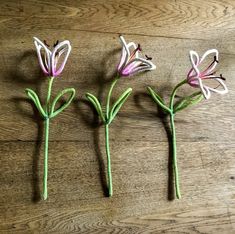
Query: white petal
pixel 151 66
pixel 126 52
pixel 194 58
pixel 124 44
pixel 141 64
pixel 221 83
pixel 44 62
pixel 209 52
pixel 62 47
pixel 205 91
pixel 124 58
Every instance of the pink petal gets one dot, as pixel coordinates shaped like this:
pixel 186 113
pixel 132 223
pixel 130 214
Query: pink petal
pixel 62 47
pixel 125 53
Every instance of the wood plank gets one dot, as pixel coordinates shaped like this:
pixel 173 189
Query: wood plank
pixel 140 187
pixel 182 19
pixel 139 115
pixel 143 192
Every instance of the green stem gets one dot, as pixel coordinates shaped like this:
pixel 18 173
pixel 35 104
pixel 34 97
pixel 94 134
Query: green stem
pixel 174 149
pixel 51 79
pixel 174 93
pixel 46 158
pixel 47 122
pixel 174 161
pixel 110 186
pixel 109 97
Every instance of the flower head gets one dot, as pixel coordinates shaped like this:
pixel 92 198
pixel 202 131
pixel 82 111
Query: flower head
pixel 130 62
pixel 50 60
pixel 197 78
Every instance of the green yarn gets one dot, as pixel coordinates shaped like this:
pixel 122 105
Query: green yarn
pixel 171 110
pixel 47 122
pixel 174 161
pixel 110 184
pixel 107 117
pixel 97 105
pixel 48 113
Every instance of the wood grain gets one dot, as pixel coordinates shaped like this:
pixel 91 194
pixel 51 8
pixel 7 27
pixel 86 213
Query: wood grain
pixel 142 201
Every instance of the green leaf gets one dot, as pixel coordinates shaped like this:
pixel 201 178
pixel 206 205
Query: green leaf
pixel 54 112
pixel 34 97
pixel 157 99
pixel 188 101
pixel 118 104
pixel 95 102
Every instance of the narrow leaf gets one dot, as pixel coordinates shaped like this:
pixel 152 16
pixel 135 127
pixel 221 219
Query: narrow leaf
pixel 118 104
pixel 34 97
pixel 95 102
pixel 157 99
pixel 54 112
pixel 188 101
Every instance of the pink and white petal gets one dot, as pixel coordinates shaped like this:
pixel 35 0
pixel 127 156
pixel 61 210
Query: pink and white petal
pixel 132 44
pixel 147 62
pixel 205 91
pixel 124 58
pixel 44 60
pixel 221 84
pixel 127 47
pixel 140 65
pixel 124 45
pixel 61 52
pixel 128 69
pixel 125 52
pixel 191 73
pixel 140 69
pixel 195 60
pixel 136 62
pixel 193 81
pixel 62 47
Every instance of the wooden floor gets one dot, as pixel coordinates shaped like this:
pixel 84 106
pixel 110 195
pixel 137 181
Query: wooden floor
pixel 142 201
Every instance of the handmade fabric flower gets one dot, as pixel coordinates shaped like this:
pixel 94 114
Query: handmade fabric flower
pixel 130 62
pixel 49 60
pixel 197 78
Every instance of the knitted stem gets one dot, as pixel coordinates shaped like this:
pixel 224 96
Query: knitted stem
pixel 109 171
pixel 174 161
pixel 51 79
pixel 46 159
pixel 110 186
pixel 47 121
pixel 109 96
pixel 174 149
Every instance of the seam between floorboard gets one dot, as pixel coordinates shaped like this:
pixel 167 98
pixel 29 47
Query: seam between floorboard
pixel 134 34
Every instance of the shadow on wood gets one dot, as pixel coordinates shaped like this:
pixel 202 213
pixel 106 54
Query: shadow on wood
pixel 160 114
pixel 100 81
pixel 36 154
pixel 19 77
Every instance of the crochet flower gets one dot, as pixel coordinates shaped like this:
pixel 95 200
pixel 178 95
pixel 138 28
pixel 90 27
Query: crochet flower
pixel 52 64
pixel 197 78
pixel 50 60
pixel 130 62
